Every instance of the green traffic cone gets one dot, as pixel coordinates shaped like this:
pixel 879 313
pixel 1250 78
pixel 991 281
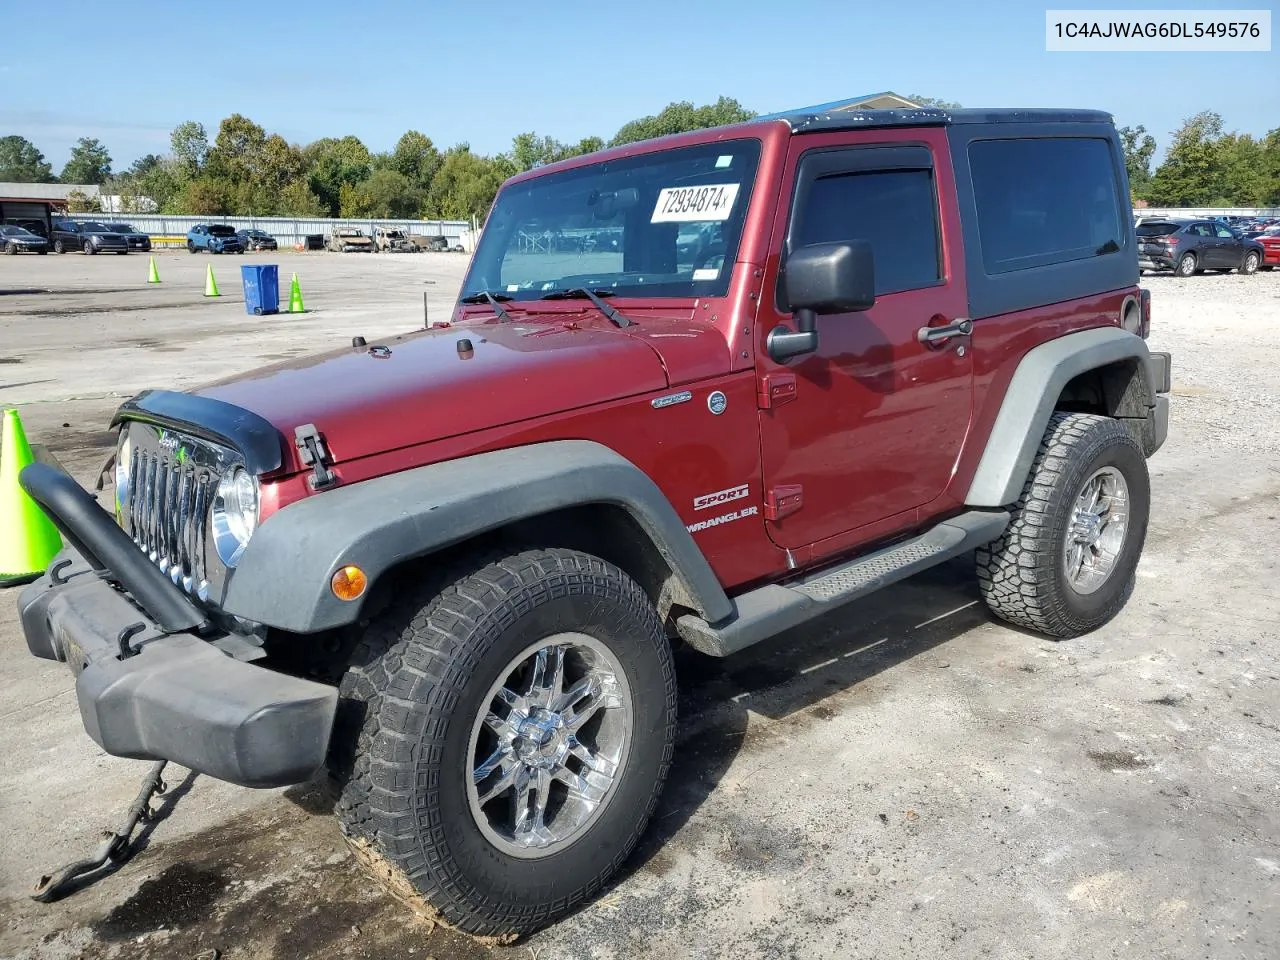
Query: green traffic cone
pixel 28 538
pixel 295 297
pixel 153 275
pixel 210 284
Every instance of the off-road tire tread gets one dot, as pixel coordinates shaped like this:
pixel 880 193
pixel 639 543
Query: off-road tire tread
pixel 411 688
pixel 1018 573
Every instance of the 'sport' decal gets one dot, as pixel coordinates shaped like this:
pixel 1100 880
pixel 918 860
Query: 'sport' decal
pixel 708 500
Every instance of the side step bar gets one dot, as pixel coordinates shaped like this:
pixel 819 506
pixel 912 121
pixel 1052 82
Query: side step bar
pixel 768 610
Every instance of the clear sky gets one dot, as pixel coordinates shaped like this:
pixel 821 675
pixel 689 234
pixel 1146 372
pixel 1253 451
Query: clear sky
pixel 485 70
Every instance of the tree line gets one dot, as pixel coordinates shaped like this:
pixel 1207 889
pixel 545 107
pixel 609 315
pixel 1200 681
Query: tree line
pixel 244 170
pixel 1205 166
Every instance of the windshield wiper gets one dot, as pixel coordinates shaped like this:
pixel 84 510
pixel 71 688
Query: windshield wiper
pixel 582 293
pixel 496 299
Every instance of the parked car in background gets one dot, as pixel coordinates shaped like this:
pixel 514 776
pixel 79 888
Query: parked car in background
pixel 136 239
pixel 87 236
pixel 350 240
pixel 14 239
pixel 215 238
pixel 1193 246
pixel 257 240
pixel 1269 240
pixel 435 244
pixel 39 227
pixel 391 240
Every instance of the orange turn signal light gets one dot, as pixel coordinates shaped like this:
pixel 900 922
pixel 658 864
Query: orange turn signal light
pixel 348 583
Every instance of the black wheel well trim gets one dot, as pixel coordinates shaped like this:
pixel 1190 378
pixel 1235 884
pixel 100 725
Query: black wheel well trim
pixel 282 580
pixel 1033 395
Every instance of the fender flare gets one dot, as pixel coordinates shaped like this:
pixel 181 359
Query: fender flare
pixel 282 580
pixel 1030 399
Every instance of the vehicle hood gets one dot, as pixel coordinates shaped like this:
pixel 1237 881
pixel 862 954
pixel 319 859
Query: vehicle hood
pixel 424 386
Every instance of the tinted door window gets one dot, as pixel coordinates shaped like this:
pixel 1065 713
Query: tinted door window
pixel 1044 201
pixel 1199 230
pixel 896 210
pixel 1224 233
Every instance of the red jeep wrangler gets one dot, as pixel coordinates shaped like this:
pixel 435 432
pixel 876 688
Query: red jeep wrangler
pixel 699 389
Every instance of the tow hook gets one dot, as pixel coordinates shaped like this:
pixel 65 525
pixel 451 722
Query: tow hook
pixel 114 848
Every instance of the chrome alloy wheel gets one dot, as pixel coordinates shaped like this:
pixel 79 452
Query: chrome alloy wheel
pixel 1096 532
pixel 548 744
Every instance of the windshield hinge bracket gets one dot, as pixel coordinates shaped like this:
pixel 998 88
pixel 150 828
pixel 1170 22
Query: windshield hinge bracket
pixel 312 453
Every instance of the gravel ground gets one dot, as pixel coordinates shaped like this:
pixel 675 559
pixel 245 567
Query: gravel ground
pixel 906 778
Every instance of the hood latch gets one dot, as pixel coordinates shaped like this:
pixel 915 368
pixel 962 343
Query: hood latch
pixel 312 452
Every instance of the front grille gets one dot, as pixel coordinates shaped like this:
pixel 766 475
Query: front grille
pixel 172 480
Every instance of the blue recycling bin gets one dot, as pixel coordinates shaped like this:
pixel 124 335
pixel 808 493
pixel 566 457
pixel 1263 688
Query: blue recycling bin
pixel 261 288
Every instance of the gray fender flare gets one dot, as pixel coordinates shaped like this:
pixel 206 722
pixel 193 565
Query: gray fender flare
pixel 1029 402
pixel 282 579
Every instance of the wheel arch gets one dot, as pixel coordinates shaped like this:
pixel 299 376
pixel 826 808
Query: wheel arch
pixel 569 493
pixel 1106 370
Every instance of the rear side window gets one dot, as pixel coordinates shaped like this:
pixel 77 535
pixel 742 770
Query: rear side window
pixel 1044 201
pixel 896 210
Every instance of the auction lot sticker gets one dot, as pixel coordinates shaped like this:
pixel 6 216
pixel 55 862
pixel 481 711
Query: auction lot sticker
pixel 1231 31
pixel 711 201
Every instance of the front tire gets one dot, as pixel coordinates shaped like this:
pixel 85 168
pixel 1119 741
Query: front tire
pixel 503 741
pixel 1186 265
pixel 1250 263
pixel 1066 564
pixel 58 247
pixel 89 250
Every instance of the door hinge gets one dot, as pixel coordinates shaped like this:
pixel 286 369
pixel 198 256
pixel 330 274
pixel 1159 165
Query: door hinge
pixel 775 389
pixel 312 453
pixel 783 500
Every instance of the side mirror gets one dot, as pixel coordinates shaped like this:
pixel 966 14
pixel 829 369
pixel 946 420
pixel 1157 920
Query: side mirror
pixel 819 279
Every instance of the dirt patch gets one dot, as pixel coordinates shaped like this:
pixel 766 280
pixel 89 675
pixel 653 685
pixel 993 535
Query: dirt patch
pixel 1114 760
pixel 394 881
pixel 180 896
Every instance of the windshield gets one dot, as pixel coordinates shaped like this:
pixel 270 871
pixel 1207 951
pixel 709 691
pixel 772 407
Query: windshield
pixel 221 230
pixel 663 224
pixel 121 228
pixel 1156 229
pixel 92 226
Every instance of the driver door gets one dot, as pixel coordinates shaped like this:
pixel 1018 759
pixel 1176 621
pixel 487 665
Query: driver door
pixel 860 433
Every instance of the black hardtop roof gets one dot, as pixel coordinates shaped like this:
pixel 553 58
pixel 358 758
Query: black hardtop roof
pixel 808 121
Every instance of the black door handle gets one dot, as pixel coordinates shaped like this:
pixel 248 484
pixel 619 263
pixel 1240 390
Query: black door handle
pixel 960 328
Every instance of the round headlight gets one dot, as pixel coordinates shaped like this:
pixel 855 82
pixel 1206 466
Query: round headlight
pixel 124 452
pixel 235 514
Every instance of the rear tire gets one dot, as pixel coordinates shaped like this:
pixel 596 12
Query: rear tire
pixel 1186 265
pixel 1041 574
pixel 431 691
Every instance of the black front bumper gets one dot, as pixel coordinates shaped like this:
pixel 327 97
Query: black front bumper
pixel 154 693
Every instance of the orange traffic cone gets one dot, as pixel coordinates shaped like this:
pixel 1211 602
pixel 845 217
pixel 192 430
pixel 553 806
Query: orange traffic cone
pixel 28 538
